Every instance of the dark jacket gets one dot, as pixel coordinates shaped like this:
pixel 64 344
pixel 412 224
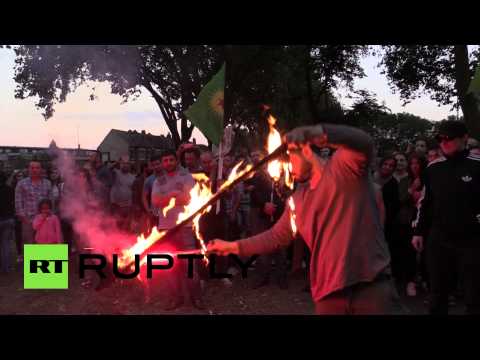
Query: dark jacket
pixel 261 194
pixel 391 201
pixel 450 206
pixel 7 202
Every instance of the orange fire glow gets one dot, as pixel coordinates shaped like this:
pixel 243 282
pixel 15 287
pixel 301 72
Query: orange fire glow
pixel 167 208
pixel 235 174
pixel 293 216
pixel 287 170
pixel 274 167
pixel 199 196
pixel 128 255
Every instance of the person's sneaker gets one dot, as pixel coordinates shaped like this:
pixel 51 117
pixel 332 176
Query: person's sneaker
pixel 173 304
pixel 198 304
pixel 411 289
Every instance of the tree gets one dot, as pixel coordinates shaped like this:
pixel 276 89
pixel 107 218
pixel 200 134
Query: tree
pixel 296 81
pixel 443 72
pixel 173 75
pixel 389 131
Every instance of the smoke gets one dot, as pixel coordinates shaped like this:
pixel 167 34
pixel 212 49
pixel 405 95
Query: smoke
pixel 92 225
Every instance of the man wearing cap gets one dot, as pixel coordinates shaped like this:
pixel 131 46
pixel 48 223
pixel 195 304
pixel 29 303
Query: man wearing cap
pixel 449 212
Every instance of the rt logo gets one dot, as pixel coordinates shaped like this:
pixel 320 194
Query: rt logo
pixel 45 266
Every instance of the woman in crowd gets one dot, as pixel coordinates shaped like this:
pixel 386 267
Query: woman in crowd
pixel 389 190
pixel 402 253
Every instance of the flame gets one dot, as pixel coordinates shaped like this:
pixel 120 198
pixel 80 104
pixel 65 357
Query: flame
pixel 200 177
pixel 235 174
pixel 287 169
pixel 139 247
pixel 274 141
pixel 167 208
pixel 293 216
pixel 199 196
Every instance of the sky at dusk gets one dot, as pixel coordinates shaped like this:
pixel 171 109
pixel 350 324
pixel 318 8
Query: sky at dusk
pixel 23 124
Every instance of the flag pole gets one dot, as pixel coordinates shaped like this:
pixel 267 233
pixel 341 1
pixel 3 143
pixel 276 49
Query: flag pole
pixel 219 171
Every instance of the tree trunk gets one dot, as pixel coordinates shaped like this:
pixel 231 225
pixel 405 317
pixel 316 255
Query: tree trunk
pixel 468 103
pixel 170 120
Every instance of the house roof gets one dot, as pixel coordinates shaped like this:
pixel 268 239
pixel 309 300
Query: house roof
pixel 143 139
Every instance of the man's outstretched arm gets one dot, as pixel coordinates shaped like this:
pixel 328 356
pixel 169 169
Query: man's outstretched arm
pixel 280 235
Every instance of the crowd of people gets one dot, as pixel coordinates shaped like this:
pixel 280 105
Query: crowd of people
pixel 32 201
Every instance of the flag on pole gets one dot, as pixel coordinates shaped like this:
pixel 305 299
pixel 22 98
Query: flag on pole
pixel 475 83
pixel 208 111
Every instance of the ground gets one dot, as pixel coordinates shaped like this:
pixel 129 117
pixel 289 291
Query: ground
pixel 129 298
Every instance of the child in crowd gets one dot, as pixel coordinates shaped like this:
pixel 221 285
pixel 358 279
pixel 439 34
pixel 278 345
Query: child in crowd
pixel 47 225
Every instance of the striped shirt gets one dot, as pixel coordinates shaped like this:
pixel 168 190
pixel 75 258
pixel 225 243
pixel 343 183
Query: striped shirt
pixel 28 195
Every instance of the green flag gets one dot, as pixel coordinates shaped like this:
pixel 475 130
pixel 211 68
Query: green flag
pixel 207 112
pixel 475 83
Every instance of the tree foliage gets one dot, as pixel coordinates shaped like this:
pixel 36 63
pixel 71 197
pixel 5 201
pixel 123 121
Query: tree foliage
pixel 173 75
pixel 389 131
pixel 443 72
pixel 295 81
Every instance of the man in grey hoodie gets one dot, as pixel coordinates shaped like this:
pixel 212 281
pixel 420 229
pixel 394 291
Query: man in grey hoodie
pixel 337 216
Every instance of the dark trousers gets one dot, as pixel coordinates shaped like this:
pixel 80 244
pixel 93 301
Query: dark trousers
pixel 442 262
pixel 403 255
pixel 264 269
pixel 179 285
pixel 263 264
pixel 214 226
pixel 378 297
pixel 18 236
